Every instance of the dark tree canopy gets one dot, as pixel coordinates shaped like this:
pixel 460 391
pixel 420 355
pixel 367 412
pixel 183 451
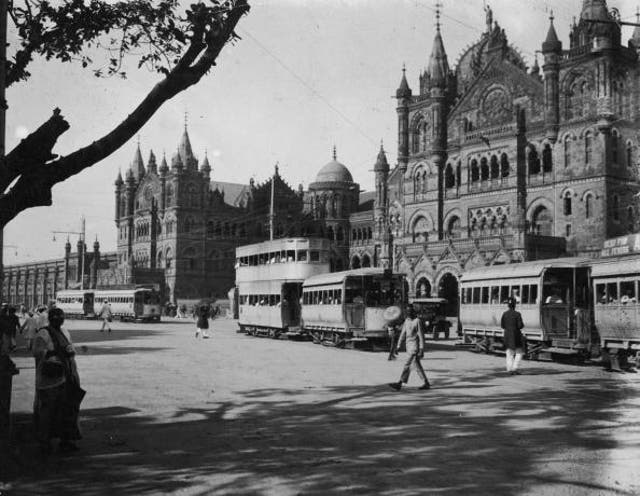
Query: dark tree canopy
pixel 181 44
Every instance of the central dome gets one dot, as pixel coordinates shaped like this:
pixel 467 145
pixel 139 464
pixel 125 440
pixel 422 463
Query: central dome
pixel 334 172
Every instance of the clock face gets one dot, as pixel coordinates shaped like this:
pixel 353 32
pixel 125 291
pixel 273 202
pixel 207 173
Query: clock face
pixel 496 106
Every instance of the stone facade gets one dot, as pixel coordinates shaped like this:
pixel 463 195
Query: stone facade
pixel 498 163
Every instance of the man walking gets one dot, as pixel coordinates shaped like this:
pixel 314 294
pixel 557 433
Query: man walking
pixel 106 316
pixel 512 324
pixel 413 333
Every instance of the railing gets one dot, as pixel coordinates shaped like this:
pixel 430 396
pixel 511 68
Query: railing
pixel 576 52
pixel 478 134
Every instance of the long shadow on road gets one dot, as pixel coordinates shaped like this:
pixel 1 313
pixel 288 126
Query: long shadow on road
pixel 450 440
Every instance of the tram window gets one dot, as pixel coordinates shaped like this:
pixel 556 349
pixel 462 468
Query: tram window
pixel 353 291
pixel 485 295
pixel 601 293
pixel 533 294
pixel 612 292
pixel 627 292
pixel 504 294
pixel 314 256
pixel 469 297
pixel 515 293
pixel 525 294
pixel 495 295
pixel 302 255
pixel 476 296
pixel 291 255
pixel 338 297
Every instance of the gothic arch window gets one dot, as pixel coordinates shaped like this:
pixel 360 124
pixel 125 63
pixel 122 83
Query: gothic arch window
pixel 369 233
pixel 484 169
pixel 449 177
pixel 567 150
pixel 168 258
pixel 588 206
pixel 504 165
pixel 159 263
pixel 420 230
pixel 423 182
pixel 366 261
pixel 534 161
pixel 542 221
pixel 630 219
pixel 355 262
pixel 584 98
pixel 566 204
pixel 330 233
pixel 615 142
pixel 475 171
pixel 588 147
pixel 629 154
pixel 547 158
pixel 453 227
pixel 616 207
pixel 423 288
pixel 495 167
pixel 459 173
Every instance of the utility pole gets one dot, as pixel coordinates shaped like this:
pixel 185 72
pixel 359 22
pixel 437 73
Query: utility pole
pixel 3 111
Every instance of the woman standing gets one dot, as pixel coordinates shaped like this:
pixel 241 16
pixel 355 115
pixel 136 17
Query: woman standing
pixel 202 321
pixel 58 392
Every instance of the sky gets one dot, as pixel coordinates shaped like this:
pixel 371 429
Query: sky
pixel 307 75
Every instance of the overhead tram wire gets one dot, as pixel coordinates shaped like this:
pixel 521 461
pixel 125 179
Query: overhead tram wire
pixel 315 92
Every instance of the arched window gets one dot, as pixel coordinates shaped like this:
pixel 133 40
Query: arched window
pixel 616 207
pixel 588 147
pixel 542 222
pixel 453 227
pixel 630 219
pixel 459 173
pixel 420 231
pixel 495 167
pixel 369 233
pixel 484 169
pixel 423 288
pixel 566 204
pixel 504 165
pixel 355 262
pixel 567 151
pixel 615 139
pixel 534 161
pixel 330 233
pixel 169 194
pixel 588 206
pixel 449 177
pixel 547 158
pixel 168 259
pixel 475 171
pixel 629 154
pixel 366 261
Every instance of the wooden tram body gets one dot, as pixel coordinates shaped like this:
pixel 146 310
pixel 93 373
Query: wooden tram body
pixel 142 304
pixel 347 307
pixel 269 277
pixel 548 293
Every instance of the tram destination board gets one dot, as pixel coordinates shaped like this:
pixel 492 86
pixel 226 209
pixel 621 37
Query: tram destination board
pixel 623 245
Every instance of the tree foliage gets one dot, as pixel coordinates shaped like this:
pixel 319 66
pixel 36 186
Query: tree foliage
pixel 181 44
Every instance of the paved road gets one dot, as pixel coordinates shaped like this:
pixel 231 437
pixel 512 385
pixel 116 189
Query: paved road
pixel 166 413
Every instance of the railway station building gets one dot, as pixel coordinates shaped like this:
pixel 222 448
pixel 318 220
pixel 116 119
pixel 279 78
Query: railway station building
pixel 496 163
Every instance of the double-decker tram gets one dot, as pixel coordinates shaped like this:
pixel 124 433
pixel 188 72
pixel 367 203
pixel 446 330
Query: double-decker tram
pixel 616 278
pixel 76 303
pixel 269 277
pixel 347 307
pixel 552 296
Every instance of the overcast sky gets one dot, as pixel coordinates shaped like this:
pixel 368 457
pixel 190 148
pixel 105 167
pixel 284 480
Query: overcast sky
pixel 306 75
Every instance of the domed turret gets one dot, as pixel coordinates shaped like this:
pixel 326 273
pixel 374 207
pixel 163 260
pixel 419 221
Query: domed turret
pixel 551 43
pixel 334 172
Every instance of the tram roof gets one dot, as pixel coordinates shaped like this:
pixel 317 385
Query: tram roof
pixel 334 277
pixel 280 244
pixel 618 266
pixel 523 269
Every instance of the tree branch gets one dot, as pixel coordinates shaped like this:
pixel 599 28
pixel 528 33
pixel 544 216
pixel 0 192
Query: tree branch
pixel 31 164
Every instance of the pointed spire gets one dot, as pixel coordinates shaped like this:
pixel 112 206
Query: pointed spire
pixel 119 181
pixel 403 90
pixel 184 148
pixel 176 161
pixel 438 64
pixel 551 43
pixel 164 168
pixel 635 38
pixel 152 165
pixel 206 167
pixel 137 165
pixel 381 163
pixel 535 70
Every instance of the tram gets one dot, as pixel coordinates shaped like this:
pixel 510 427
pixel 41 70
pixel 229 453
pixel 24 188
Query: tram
pixel 76 303
pixel 347 307
pixel 552 296
pixel 269 277
pixel 615 278
pixel 126 304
